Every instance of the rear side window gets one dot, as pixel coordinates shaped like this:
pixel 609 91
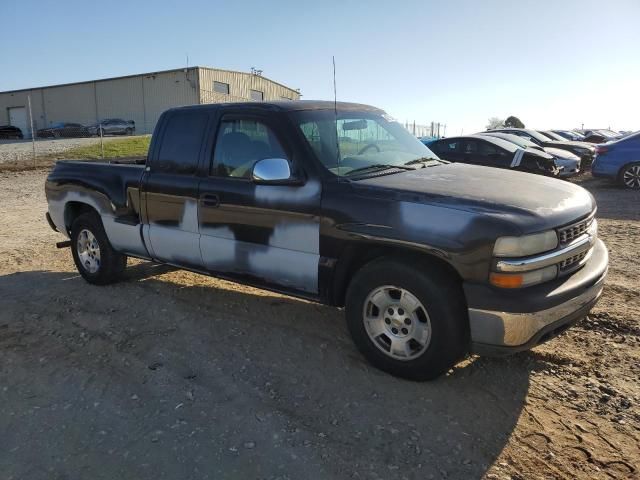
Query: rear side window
pixel 181 143
pixel 448 146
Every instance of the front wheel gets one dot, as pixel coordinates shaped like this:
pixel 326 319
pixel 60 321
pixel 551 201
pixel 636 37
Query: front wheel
pixel 630 176
pixel 407 321
pixel 95 258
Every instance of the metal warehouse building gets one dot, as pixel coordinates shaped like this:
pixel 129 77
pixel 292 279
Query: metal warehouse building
pixel 141 98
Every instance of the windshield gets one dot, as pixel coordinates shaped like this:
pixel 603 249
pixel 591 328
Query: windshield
pixel 554 136
pixel 357 141
pixel 575 135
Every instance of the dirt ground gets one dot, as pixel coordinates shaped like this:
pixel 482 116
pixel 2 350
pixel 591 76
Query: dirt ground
pixel 169 374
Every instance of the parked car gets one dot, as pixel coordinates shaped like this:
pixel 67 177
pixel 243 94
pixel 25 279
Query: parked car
pixel 490 151
pixel 619 160
pixel 570 135
pixel 430 259
pixel 63 130
pixel 552 135
pixel 9 131
pixel 569 162
pixel 113 126
pixel 582 149
pixel 600 136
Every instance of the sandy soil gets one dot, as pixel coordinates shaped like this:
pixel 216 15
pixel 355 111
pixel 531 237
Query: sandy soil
pixel 174 375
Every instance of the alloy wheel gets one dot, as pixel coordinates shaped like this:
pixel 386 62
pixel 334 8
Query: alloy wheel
pixel 631 177
pixel 397 323
pixel 88 250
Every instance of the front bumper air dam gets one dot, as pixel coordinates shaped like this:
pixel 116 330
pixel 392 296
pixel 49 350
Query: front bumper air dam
pixel 497 332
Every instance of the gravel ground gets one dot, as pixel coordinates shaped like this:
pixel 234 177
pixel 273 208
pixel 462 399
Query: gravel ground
pixel 170 374
pixel 21 151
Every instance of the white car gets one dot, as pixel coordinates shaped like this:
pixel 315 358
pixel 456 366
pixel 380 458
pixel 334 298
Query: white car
pixel 566 159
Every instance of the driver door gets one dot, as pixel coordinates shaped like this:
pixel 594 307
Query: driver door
pixel 262 234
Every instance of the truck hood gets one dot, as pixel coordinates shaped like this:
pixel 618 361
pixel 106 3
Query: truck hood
pixel 529 202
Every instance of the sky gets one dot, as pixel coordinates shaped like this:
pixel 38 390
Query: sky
pixel 553 64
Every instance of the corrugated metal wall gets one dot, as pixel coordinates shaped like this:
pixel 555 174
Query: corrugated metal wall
pixel 240 85
pixel 19 99
pixel 141 98
pixel 121 98
pixel 168 90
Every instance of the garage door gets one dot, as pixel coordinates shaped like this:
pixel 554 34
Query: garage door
pixel 18 118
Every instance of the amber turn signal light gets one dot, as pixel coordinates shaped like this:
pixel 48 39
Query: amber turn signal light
pixel 506 280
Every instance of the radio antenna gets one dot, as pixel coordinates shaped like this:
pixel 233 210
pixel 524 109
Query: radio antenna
pixel 335 112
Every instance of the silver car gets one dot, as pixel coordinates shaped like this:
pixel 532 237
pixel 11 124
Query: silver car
pixel 113 126
pixel 569 161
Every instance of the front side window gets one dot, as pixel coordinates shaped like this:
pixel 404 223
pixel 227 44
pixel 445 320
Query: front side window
pixel 257 95
pixel 358 140
pixel 240 144
pixel 221 87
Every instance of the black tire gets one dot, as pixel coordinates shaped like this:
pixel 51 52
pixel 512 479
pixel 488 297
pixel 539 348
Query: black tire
pixel 129 131
pixel 440 294
pixel 111 263
pixel 630 176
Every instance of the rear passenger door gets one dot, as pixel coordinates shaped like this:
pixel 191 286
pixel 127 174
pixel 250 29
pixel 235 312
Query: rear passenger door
pixel 170 190
pixel 262 234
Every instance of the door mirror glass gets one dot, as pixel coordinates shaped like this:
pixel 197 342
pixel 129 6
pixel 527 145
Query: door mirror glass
pixel 272 170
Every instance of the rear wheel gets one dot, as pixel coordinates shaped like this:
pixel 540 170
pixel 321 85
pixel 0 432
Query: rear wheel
pixel 630 176
pixel 407 321
pixel 95 258
pixel 129 131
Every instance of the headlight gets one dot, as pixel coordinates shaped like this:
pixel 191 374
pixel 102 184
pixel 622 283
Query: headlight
pixel 526 245
pixel 520 280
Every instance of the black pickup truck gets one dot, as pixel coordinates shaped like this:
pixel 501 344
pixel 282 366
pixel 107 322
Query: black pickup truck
pixel 339 204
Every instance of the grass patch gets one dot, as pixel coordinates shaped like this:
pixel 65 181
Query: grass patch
pixel 113 148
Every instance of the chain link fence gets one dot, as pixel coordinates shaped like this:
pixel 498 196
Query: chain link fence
pixel 37 144
pixel 124 136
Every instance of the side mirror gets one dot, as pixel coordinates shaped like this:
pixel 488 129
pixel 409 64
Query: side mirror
pixel 274 171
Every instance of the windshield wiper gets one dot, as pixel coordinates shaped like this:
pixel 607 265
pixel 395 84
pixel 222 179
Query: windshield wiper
pixel 379 166
pixel 424 160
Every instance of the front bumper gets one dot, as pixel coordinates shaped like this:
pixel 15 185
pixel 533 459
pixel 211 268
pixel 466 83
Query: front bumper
pixel 508 322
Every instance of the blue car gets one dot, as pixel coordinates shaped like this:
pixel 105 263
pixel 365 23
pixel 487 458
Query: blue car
pixel 619 160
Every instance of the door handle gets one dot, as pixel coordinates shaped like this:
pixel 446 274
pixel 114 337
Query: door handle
pixel 210 200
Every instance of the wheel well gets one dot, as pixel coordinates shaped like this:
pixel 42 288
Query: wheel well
pixel 357 256
pixel 73 210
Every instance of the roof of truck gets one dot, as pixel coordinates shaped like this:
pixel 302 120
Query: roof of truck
pixel 290 106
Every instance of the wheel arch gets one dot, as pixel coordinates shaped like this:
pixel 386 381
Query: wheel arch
pixel 73 209
pixel 357 256
pixel 624 166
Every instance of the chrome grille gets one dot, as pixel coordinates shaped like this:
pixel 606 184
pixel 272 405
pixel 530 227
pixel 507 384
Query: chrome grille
pixel 568 234
pixel 571 262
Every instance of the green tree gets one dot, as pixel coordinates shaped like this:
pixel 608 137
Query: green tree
pixel 514 122
pixel 495 122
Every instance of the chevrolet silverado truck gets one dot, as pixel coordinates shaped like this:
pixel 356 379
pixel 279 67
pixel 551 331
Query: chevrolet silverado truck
pixel 338 204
